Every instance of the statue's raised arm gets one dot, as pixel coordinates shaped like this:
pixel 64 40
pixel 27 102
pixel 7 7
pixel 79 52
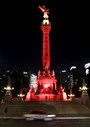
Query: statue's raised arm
pixel 45 11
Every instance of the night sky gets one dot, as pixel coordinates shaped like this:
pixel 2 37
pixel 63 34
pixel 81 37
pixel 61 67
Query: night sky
pixel 21 35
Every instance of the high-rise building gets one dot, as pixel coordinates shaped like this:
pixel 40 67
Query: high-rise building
pixel 87 77
pixel 33 79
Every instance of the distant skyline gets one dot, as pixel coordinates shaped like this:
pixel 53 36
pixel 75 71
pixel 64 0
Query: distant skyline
pixel 21 35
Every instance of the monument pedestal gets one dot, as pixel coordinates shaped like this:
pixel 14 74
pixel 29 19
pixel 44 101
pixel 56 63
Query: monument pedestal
pixel 8 98
pixel 85 99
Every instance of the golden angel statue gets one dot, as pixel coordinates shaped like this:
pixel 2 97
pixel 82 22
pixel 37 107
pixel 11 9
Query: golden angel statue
pixel 45 11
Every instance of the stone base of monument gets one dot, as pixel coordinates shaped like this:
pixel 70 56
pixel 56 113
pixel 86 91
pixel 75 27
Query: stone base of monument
pixel 85 99
pixel 8 98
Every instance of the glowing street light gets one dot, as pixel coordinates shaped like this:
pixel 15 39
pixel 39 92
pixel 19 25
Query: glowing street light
pixel 21 95
pixel 71 95
pixel 73 67
pixel 87 65
pixel 84 88
pixel 8 88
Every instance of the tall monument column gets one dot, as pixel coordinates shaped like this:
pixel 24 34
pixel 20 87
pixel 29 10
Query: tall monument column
pixel 46 27
pixel 46 46
pixel 46 89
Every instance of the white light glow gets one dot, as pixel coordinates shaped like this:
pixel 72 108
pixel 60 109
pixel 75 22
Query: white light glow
pixel 63 71
pixel 51 115
pixel 71 95
pixel 8 88
pixel 87 65
pixel 73 67
pixel 87 71
pixel 45 21
pixel 21 95
pixel 83 88
pixel 24 72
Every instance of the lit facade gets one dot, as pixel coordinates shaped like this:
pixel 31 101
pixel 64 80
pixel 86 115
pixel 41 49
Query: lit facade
pixel 33 82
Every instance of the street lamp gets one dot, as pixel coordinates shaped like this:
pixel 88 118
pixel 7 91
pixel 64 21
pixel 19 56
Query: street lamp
pixel 8 89
pixel 21 95
pixel 84 88
pixel 71 95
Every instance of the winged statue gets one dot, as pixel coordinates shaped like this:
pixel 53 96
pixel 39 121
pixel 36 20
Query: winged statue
pixel 45 11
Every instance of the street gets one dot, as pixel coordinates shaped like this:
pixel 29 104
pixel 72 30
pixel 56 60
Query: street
pixel 41 123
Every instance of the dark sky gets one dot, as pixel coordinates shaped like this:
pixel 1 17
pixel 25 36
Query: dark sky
pixel 21 35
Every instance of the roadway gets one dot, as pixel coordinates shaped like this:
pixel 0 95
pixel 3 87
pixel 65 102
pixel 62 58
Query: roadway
pixel 62 121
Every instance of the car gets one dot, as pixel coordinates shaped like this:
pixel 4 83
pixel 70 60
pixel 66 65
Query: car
pixel 38 115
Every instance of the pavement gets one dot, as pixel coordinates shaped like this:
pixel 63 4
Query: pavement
pixel 61 108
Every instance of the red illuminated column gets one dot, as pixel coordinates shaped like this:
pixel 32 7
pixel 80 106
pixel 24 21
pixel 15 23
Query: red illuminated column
pixel 46 46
